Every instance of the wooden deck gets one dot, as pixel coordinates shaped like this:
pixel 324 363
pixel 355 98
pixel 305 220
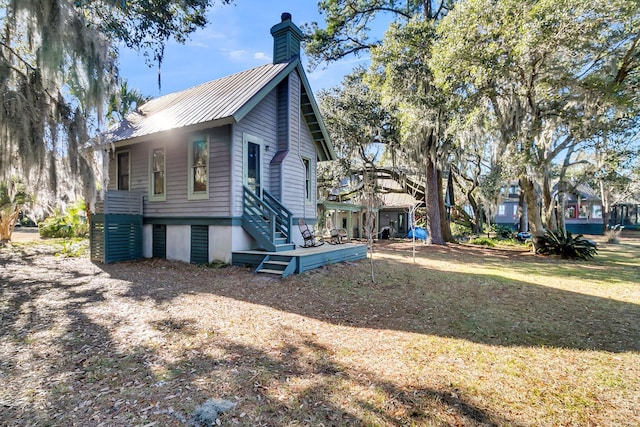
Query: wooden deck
pixel 305 258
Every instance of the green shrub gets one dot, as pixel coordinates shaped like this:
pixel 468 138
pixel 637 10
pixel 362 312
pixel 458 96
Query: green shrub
pixel 503 232
pixel 73 248
pixel 613 233
pixel 217 264
pixel 72 223
pixel 484 241
pixel 460 231
pixel 559 242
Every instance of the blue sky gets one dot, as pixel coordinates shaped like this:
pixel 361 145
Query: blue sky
pixel 237 38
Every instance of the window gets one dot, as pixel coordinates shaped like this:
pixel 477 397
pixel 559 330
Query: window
pixel 583 212
pixel 597 212
pixel 157 187
pixel 570 212
pixel 199 168
pixel 501 210
pixel 515 210
pixel 252 166
pixel 307 180
pixel 123 170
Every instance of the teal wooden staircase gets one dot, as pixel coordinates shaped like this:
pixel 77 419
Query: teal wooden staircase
pixel 267 221
pixel 278 265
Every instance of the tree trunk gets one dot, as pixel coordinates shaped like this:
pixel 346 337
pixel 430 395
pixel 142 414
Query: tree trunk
pixel 533 211
pixel 606 208
pixel 475 224
pixel 8 219
pixel 561 223
pixel 444 220
pixel 547 204
pixel 432 203
pixel 523 224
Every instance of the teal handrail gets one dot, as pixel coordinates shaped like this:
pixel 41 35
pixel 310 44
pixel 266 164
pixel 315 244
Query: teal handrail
pixel 284 218
pixel 263 216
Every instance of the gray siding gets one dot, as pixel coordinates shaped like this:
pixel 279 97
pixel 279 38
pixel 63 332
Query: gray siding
pixel 177 148
pixel 283 137
pixel 301 145
pixel 261 122
pixel 283 114
pixel 267 121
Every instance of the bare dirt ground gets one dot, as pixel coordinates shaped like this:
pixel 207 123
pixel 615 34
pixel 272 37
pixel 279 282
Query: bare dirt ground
pixel 147 343
pixel 25 234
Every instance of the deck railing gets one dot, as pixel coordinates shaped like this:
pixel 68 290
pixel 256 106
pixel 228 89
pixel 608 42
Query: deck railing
pixel 118 202
pixel 266 219
pixel 284 217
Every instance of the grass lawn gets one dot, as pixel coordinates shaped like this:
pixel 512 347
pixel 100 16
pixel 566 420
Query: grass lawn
pixel 465 336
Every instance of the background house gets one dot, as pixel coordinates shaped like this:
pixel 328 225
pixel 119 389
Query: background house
pixel 580 206
pixel 346 206
pixel 582 210
pixel 625 213
pixel 509 211
pixel 225 166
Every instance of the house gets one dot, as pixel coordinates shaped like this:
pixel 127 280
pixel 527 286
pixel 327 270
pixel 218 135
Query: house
pixel 509 210
pixel 391 206
pixel 220 171
pixel 626 214
pixel 396 209
pixel 581 207
pixel 583 210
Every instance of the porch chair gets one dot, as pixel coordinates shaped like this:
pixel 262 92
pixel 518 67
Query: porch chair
pixel 308 235
pixel 337 235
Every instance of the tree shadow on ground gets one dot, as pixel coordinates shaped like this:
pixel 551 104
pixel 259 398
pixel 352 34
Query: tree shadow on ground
pixel 482 308
pixel 64 362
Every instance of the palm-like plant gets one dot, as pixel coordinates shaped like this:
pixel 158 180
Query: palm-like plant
pixel 563 243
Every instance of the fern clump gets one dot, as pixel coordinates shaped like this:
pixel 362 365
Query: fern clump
pixel 71 223
pixel 564 244
pixel 483 241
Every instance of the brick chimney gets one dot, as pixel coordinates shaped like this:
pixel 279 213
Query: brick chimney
pixel 286 40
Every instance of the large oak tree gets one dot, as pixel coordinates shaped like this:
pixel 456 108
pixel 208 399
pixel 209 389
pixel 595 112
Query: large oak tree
pixel 58 68
pixel 552 74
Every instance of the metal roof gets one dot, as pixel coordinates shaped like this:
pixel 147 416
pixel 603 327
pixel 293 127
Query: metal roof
pixel 398 200
pixel 218 102
pixel 212 101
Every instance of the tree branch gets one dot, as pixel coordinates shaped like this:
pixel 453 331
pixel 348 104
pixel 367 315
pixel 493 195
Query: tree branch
pixel 626 67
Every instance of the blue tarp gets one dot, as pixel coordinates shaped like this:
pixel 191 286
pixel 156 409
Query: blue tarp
pixel 421 233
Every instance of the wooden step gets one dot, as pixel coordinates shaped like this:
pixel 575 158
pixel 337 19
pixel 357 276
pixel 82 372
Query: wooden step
pixel 281 266
pixel 285 263
pixel 269 271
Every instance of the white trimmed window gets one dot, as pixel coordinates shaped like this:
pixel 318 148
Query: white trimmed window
pixel 157 178
pixel 198 168
pixel 307 179
pixel 596 212
pixel 501 210
pixel 123 170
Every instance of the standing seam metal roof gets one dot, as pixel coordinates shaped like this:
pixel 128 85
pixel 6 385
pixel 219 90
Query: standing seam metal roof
pixel 215 100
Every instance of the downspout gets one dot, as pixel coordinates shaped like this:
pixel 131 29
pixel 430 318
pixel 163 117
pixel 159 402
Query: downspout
pixel 304 202
pixel 288 145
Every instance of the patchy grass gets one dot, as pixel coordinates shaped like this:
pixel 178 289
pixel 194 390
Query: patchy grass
pixel 466 335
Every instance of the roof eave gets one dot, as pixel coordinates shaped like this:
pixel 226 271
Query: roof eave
pixel 159 135
pixel 324 147
pixel 266 90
